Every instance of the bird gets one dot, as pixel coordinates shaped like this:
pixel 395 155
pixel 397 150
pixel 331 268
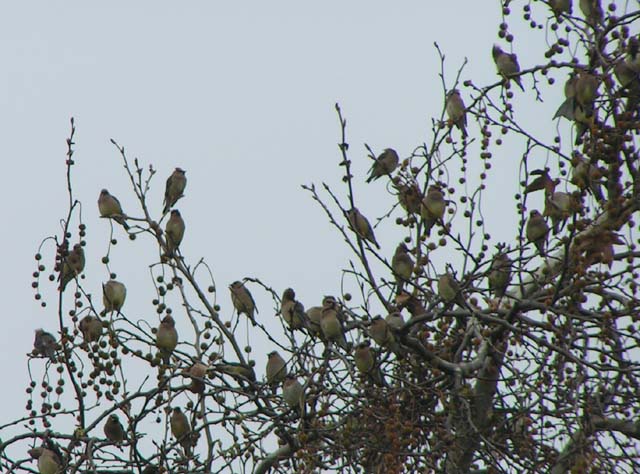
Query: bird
pixel 113 295
pixel 592 11
pixel 243 301
pixel 109 207
pixel 330 323
pixel 433 207
pixel 507 64
pixel 567 108
pixel 276 370
pixel 166 338
pixel 48 461
pixel 174 231
pixel 537 230
pixel 402 265
pixel 197 373
pixel 499 274
pixel 586 176
pixel 586 89
pixel 409 197
pixel 91 328
pixel 180 429
pixel 113 429
pixel 366 363
pixel 361 226
pixel 293 392
pixel 237 370
pixel 292 311
pixel 380 332
pixel 456 111
pixel 561 6
pixel 174 188
pixel 314 316
pixel 72 266
pixel 558 206
pixel 449 289
pixel 385 164
pixel 395 320
pixel 45 345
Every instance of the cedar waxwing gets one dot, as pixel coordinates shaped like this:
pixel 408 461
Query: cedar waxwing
pixel 625 74
pixel 293 392
pixel 276 370
pixel 45 345
pixel 48 461
pixel 174 188
pixel 402 265
pixel 500 273
pixel 456 111
pixel 449 289
pixel 561 6
pixel 366 363
pixel 113 295
pixel 174 231
pixel 558 206
pixel 180 429
pixel 385 164
pixel 361 226
pixel 395 320
pixel 91 328
pixel 314 316
pixel 196 373
pixel 409 197
pixel 537 230
pixel 586 176
pixel 113 429
pixel 237 370
pixel 507 64
pixel 72 266
pixel 586 89
pixel 592 11
pixel 292 311
pixel 110 207
pixel 380 331
pixel 433 207
pixel 166 338
pixel 567 108
pixel 330 323
pixel 243 301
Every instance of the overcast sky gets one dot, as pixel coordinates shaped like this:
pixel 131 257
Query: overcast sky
pixel 239 94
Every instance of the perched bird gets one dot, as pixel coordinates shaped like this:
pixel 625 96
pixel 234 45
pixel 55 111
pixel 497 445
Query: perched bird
pixel 243 301
pixel 110 207
pixel 385 164
pixel 174 231
pixel 113 295
pixel 592 11
pixel 197 373
pixel 586 176
pixel 72 266
pixel 276 370
pixel 48 461
pixel 174 188
pixel 402 265
pixel 409 197
pixel 537 230
pixel 292 311
pixel 237 370
pixel 567 108
pixel 558 206
pixel 433 207
pixel 45 345
pixel 561 6
pixel 379 331
pixel 366 363
pixel 91 328
pixel 361 226
pixel 314 316
pixel 180 429
pixel 456 111
pixel 166 338
pixel 586 89
pixel 293 392
pixel 395 320
pixel 330 323
pixel 500 273
pixel 507 64
pixel 449 289
pixel 113 429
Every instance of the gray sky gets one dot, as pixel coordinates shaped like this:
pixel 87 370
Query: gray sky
pixel 241 95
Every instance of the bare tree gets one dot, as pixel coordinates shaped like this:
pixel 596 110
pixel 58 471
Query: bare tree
pixel 520 359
